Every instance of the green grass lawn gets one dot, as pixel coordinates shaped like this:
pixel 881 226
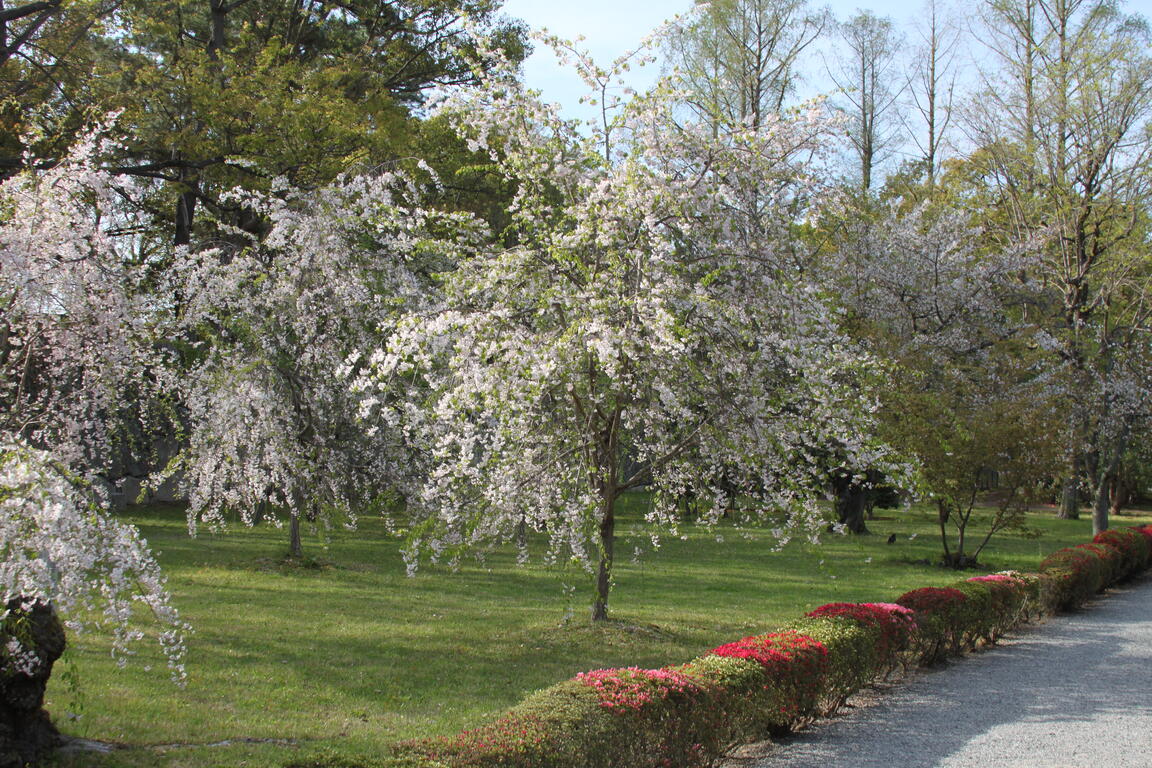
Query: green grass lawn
pixel 294 664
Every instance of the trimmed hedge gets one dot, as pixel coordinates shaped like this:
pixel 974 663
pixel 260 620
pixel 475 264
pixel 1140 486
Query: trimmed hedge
pixel 1132 546
pixel 688 716
pixel 790 674
pixel 941 614
pixel 1009 596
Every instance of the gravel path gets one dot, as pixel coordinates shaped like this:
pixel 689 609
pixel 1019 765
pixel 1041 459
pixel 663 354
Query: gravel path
pixel 1075 692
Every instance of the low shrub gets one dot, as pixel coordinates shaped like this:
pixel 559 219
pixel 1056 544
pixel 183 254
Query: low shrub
pixel 792 668
pixel 1009 595
pixel 940 615
pixel 1112 558
pixel 895 626
pixel 1132 545
pixel 741 691
pixel 559 727
pixel 676 719
pixel 1146 532
pixel 1079 574
pixel 979 619
pixel 631 688
pixel 853 656
pixel 687 716
pixel 1042 591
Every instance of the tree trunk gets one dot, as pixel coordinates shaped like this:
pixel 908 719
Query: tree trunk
pixel 1106 478
pixel 295 550
pixel 942 514
pixel 185 213
pixel 1118 495
pixel 851 499
pixel 27 735
pixel 1070 499
pixel 607 551
pixel 1100 510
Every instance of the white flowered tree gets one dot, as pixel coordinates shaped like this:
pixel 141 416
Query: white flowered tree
pixel 641 323
pixel 272 429
pixel 970 401
pixel 62 548
pixel 77 360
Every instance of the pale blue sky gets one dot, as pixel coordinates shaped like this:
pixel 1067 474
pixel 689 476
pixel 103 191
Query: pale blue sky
pixel 612 27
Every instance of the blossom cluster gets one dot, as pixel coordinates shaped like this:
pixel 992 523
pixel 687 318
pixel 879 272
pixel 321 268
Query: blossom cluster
pixel 632 688
pixel 776 650
pixel 931 599
pixel 18 659
pixel 896 623
pixel 64 548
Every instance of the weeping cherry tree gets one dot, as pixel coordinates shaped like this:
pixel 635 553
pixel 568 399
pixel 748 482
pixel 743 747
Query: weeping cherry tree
pixel 639 324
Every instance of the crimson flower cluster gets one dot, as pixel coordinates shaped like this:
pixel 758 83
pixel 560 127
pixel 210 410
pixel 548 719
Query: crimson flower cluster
pixel 776 650
pixel 895 623
pixel 632 688
pixel 931 599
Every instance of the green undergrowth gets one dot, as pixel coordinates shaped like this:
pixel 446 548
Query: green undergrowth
pixel 328 661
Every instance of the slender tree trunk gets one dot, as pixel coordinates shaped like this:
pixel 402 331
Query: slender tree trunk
pixel 185 212
pixel 1070 498
pixel 942 514
pixel 959 557
pixel 295 550
pixel 607 552
pixel 1108 476
pixel 607 481
pixel 1100 509
pixel 1118 495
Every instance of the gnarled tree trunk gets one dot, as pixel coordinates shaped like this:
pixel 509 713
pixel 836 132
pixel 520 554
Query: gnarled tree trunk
pixel 27 735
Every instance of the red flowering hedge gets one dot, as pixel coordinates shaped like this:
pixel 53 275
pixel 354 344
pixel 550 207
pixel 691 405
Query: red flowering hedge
pixel 895 626
pixel 1078 576
pixel 787 691
pixel 864 641
pixel 852 657
pixel 1009 596
pixel 688 716
pixel 1132 546
pixel 940 615
pixel 1112 558
pixel 1146 532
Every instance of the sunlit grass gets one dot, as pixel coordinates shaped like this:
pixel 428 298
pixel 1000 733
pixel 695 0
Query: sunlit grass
pixel 348 657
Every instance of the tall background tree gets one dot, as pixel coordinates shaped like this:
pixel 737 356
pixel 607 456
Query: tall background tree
pixel 1063 140
pixel 739 61
pixel 933 69
pixel 868 80
pixel 945 307
pixel 220 94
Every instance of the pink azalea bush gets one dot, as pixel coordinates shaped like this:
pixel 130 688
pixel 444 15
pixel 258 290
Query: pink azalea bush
pixel 792 675
pixel 895 624
pixel 940 613
pixel 634 689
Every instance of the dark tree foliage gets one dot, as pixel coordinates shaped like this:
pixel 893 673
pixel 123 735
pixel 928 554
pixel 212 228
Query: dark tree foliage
pixel 216 95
